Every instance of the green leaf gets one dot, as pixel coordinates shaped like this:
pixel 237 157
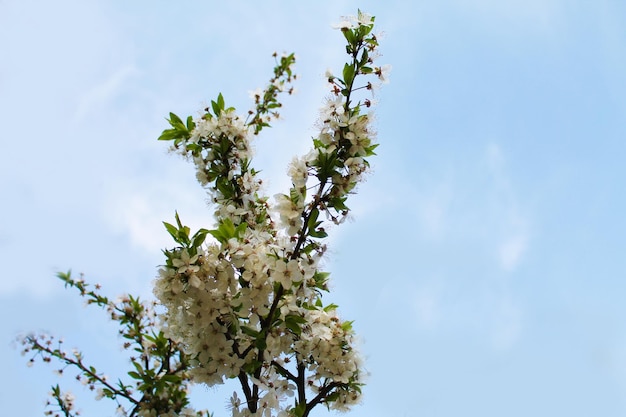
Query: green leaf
pixel 183 236
pixel 175 379
pixel 240 230
pixel 338 203
pixel 191 125
pixel 366 29
pixel 173 231
pixel 178 222
pixel 296 195
pixel 282 371
pixel 199 237
pixel 107 392
pixel 227 230
pixel 326 164
pixel 349 35
pixel 347 325
pixel 295 318
pixel 217 234
pixel 176 122
pixel 300 409
pixel 218 106
pixel 138 367
pixel 320 279
pixel 294 327
pixel 225 187
pixel 312 223
pixel 260 343
pixel 331 397
pixel 251 367
pixel 310 246
pixel 330 307
pixel 348 74
pixel 249 331
pixel 370 149
pixel 169 134
pixel 364 58
pixel 319 233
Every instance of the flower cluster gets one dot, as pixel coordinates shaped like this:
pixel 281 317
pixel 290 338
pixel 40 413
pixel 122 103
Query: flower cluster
pixel 246 309
pixel 219 145
pixel 220 149
pixel 248 304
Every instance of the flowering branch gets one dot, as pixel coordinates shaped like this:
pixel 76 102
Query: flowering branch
pixel 159 366
pixel 248 304
pixel 243 299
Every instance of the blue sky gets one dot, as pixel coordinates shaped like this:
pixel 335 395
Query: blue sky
pixel 485 264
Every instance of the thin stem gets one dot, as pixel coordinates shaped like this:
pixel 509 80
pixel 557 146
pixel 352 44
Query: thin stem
pixel 79 364
pixel 250 400
pixel 305 220
pixel 284 371
pixel 320 397
pixel 301 383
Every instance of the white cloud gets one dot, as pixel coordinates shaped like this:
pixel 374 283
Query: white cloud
pixel 507 325
pixel 104 91
pixel 512 250
pixel 471 211
pixel 137 208
pixel 427 201
pixel 514 239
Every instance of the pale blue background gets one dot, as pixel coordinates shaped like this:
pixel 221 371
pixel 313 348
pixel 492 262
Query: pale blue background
pixel 485 267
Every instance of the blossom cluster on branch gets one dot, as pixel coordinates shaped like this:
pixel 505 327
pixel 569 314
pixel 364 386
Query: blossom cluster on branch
pixel 159 381
pixel 243 300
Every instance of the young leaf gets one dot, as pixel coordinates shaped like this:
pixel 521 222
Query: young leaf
pixel 169 134
pixel 199 237
pixel 312 222
pixel 348 74
pixel 176 122
pixel 319 233
pixel 173 231
pixel 218 106
pixel 191 125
